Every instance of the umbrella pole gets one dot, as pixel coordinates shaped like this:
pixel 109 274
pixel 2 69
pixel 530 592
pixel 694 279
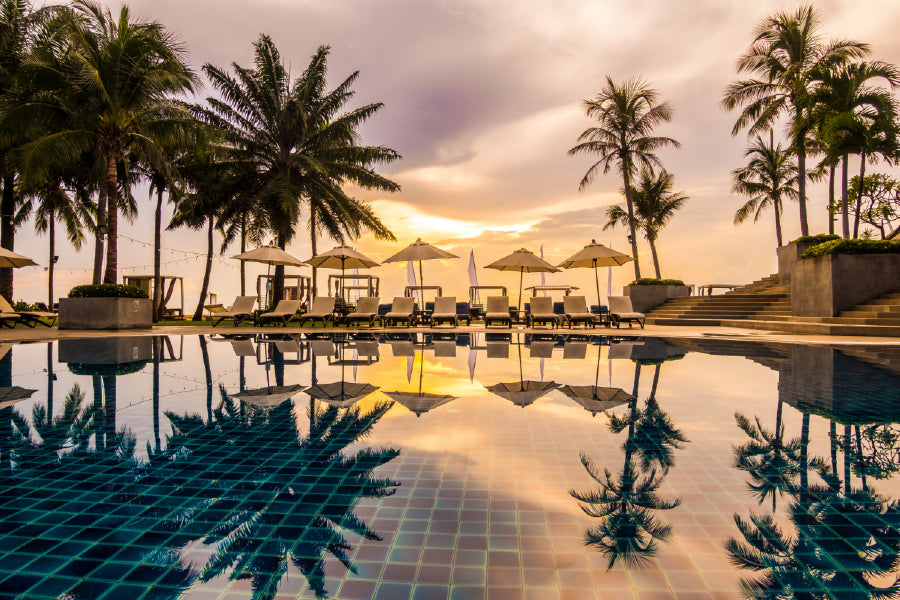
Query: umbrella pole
pixel 521 381
pixel 421 290
pixel 521 276
pixel 597 281
pixel 421 363
pixel 597 374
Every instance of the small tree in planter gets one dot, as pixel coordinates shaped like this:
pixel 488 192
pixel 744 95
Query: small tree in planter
pixel 105 306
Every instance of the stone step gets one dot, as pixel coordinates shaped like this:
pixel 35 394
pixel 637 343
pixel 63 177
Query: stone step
pixel 881 300
pixel 799 327
pixel 865 311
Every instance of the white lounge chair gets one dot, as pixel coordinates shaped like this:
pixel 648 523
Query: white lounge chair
pixel 497 309
pixel 240 311
pixel 576 311
pixel 620 310
pixel 444 311
pixel 10 316
pixel 366 310
pixel 542 312
pixel 284 311
pixel 402 309
pixel 321 309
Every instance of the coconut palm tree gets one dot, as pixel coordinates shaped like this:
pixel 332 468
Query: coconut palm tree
pixel 626 114
pixel 786 50
pixel 772 463
pixel 289 141
pixel 854 116
pixel 654 205
pixel 769 177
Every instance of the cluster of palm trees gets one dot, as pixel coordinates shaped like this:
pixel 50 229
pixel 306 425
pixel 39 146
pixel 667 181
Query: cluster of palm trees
pixel 92 103
pixel 834 104
pixel 623 138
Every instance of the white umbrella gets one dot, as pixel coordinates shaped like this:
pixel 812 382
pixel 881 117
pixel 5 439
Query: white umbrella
pixel 8 258
pixel 523 261
pixel 419 251
pixel 270 255
pixel 342 257
pixel 595 255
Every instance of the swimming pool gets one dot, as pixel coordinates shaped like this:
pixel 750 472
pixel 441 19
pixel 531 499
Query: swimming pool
pixel 473 466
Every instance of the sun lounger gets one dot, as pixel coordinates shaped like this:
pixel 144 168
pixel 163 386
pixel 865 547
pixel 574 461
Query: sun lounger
pixel 284 311
pixel 620 310
pixel 322 346
pixel 497 309
pixel 444 311
pixel 402 309
pixel 542 312
pixel 576 311
pixel 10 316
pixel 366 310
pixel 541 348
pixel 574 350
pixel 240 311
pixel 321 309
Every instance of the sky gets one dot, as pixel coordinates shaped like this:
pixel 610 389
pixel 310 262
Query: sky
pixel 483 99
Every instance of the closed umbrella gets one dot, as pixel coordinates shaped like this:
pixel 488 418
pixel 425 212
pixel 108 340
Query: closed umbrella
pixel 595 255
pixel 419 251
pixel 342 257
pixel 523 261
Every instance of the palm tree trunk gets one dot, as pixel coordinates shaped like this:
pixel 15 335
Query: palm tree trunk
pixel 859 454
pixel 50 377
pixel 637 379
pixel 630 205
pixel 243 249
pixel 204 353
pixel 204 288
pixel 50 263
pixel 7 232
pixel 99 235
pixel 831 199
pixel 776 204
pixel 109 408
pixel 832 430
pixel 312 247
pixel 804 458
pixel 847 474
pixel 278 282
pixel 655 257
pixel 862 177
pixel 112 217
pixel 157 251
pixel 157 349
pixel 655 382
pixel 801 185
pixel 845 215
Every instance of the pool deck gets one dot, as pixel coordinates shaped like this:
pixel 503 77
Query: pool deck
pixel 24 334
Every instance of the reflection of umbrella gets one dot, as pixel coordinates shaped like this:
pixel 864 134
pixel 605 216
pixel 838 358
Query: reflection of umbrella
pixel 420 402
pixel 268 397
pixel 341 257
pixel 522 393
pixel 340 394
pixel 596 399
pixel 595 255
pixel 523 261
pixel 419 251
pixel 11 395
pixel 8 258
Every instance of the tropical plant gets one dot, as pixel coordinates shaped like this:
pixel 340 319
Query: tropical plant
pixel 787 49
pixel 769 177
pixel 654 204
pixel 879 203
pixel 855 117
pixel 290 144
pixel 626 114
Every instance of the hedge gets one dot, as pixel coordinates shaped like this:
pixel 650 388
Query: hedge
pixel 817 239
pixel 854 246
pixel 107 290
pixel 653 281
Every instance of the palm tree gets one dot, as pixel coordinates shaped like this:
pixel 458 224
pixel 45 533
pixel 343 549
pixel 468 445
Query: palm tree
pixel 654 206
pixel 121 76
pixel 786 50
pixel 627 114
pixel 854 116
pixel 769 177
pixel 772 463
pixel 290 143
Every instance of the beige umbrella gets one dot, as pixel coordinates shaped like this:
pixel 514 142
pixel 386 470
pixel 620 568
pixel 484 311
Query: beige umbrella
pixel 523 261
pixel 270 255
pixel 8 258
pixel 342 257
pixel 595 255
pixel 269 397
pixel 419 251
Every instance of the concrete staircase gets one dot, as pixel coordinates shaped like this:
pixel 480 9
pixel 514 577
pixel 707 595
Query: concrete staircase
pixel 760 300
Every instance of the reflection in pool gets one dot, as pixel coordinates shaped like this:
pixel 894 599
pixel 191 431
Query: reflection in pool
pixel 448 466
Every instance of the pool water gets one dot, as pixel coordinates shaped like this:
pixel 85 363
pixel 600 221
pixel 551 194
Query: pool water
pixel 430 467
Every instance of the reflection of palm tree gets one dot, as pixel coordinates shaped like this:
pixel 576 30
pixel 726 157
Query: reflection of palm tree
pixel 773 465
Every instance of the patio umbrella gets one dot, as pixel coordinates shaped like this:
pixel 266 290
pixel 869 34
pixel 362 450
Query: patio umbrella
pixel 595 255
pixel 419 251
pixel 270 396
pixel 269 255
pixel 522 392
pixel 8 258
pixel 523 261
pixel 341 257
pixel 10 395
pixel 420 402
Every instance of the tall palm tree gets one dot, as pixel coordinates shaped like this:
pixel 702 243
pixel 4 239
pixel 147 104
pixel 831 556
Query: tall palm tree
pixel 626 114
pixel 654 205
pixel 770 176
pixel 854 116
pixel 786 49
pixel 289 141
pixel 122 75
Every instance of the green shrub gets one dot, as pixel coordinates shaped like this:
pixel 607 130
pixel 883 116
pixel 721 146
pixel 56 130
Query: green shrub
pixel 21 306
pixel 854 246
pixel 654 281
pixel 107 370
pixel 107 290
pixel 817 239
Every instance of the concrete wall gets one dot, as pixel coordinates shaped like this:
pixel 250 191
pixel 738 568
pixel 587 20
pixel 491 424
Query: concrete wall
pixel 106 350
pixel 787 257
pixel 647 297
pixel 105 313
pixel 823 286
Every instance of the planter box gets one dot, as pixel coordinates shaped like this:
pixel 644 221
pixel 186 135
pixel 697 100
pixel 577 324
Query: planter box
pixel 823 286
pixel 787 258
pixel 648 297
pixel 105 313
pixel 106 350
